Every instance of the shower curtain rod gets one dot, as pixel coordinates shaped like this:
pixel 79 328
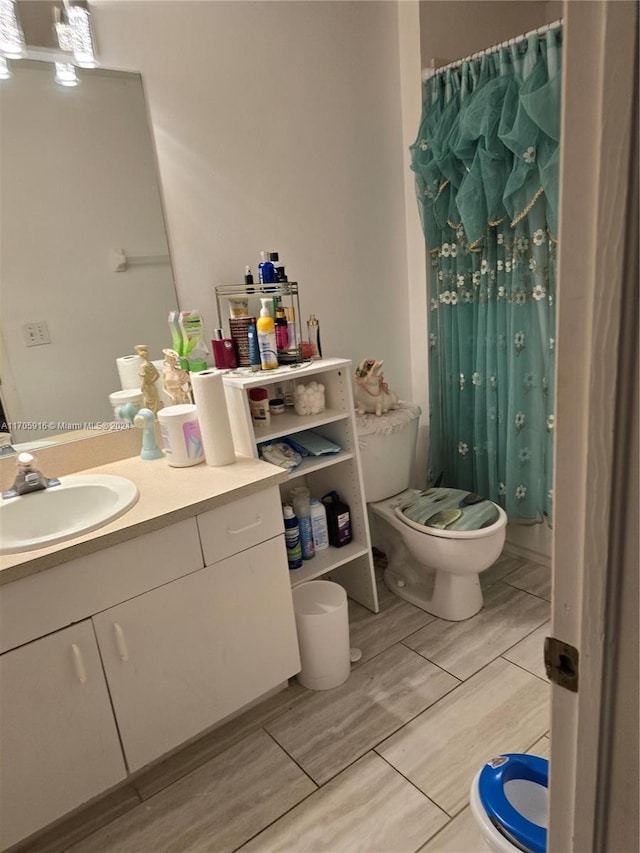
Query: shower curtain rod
pixel 427 73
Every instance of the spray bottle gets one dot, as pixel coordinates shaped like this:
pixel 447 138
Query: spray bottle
pixel 267 337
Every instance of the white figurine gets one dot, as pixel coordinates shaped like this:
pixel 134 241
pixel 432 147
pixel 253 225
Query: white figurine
pixel 372 392
pixel 148 374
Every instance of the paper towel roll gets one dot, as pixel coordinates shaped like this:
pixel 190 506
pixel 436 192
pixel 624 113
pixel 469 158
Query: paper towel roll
pixel 129 373
pixel 211 403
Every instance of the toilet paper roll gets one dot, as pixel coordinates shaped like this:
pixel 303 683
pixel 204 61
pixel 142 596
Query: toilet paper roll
pixel 211 404
pixel 129 373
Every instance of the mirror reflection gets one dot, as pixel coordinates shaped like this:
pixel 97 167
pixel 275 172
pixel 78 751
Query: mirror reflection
pixel 85 273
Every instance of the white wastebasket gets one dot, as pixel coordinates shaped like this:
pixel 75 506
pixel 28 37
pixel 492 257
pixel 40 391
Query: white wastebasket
pixel 322 622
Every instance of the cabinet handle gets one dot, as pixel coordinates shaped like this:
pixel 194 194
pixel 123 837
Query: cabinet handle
pixel 120 642
pixel 78 663
pixel 255 523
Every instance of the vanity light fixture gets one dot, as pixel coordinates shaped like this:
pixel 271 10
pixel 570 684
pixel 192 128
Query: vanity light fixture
pixel 12 42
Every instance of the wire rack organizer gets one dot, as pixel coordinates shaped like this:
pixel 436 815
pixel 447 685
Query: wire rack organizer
pixel 286 292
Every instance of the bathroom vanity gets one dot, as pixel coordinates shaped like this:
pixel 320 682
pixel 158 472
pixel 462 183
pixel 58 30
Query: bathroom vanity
pixel 121 645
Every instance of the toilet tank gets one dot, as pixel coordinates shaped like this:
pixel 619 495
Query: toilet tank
pixel 387 450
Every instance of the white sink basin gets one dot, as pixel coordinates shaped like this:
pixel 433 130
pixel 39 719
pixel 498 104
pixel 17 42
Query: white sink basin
pixel 81 503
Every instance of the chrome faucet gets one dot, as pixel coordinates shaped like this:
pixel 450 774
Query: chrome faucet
pixel 29 479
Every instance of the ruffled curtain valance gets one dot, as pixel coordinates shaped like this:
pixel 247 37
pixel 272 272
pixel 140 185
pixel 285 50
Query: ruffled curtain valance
pixel 489 141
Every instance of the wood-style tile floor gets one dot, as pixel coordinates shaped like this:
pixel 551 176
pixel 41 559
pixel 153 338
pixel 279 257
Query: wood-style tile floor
pixel 381 764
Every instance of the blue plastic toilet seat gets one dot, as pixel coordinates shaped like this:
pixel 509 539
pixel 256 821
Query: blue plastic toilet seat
pixel 493 777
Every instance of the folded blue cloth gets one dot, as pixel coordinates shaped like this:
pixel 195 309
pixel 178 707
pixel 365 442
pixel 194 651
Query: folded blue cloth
pixel 310 443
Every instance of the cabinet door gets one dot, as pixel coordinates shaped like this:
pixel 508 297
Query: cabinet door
pixel 181 657
pixel 58 739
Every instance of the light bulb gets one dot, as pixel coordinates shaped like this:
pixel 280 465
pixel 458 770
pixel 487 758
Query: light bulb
pixel 66 74
pixel 5 71
pixel 81 36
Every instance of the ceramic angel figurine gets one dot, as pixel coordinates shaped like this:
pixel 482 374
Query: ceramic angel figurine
pixel 148 375
pixel 175 380
pixel 372 392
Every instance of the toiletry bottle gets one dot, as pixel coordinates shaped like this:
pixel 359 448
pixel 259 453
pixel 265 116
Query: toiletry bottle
pixel 267 337
pixel 224 352
pixel 254 349
pixel 266 270
pixel 313 336
pixel 338 520
pixel 274 257
pixel 292 538
pixel 248 275
pixel 319 526
pixel 291 327
pixel 259 406
pixel 282 330
pixel 302 509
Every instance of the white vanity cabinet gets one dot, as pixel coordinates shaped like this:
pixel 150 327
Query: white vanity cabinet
pixel 59 744
pixel 188 654
pixel 351 565
pixel 115 658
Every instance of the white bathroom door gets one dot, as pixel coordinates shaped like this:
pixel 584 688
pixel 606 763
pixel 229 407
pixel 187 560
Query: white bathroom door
pixel 595 493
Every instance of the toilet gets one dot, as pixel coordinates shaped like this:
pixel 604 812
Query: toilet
pixel 509 801
pixel 437 541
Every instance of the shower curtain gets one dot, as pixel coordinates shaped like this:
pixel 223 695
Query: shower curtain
pixel 486 161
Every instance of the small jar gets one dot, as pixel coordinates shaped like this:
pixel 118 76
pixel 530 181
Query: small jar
pixel 259 405
pixel 276 406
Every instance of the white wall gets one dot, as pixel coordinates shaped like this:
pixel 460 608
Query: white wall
pixel 278 126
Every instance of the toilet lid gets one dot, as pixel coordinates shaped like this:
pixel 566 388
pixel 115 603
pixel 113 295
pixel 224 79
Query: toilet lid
pixel 500 805
pixel 449 509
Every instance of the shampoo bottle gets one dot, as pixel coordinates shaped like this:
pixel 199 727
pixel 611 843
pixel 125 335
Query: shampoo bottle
pixel 267 337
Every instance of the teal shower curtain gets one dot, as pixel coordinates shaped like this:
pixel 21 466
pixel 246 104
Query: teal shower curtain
pixel 486 162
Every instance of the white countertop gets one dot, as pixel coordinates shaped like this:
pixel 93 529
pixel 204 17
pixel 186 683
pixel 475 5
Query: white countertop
pixel 166 495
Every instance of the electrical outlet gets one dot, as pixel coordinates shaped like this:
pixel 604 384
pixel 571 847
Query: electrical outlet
pixel 36 334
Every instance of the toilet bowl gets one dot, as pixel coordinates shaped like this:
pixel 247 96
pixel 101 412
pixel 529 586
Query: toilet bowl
pixel 433 564
pixel 509 801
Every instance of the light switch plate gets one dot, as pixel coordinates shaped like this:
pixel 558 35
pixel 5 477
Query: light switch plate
pixel 36 334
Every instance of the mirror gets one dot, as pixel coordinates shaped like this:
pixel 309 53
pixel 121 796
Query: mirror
pixel 79 185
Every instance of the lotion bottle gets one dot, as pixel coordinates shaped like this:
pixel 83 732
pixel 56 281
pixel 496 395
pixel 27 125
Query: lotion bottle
pixel 267 337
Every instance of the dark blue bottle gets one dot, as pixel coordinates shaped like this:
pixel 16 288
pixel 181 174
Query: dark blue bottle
pixel 292 538
pixel 266 270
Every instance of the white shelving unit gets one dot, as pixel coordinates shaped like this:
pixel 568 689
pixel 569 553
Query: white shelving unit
pixel 352 565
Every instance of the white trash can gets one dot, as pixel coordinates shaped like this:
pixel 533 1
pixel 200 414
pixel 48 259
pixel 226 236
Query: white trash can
pixel 322 622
